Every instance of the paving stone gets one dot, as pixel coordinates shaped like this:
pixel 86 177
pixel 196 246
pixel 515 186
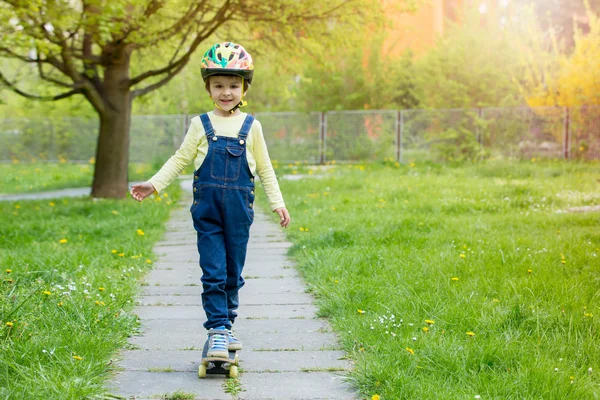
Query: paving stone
pixel 246 327
pixel 272 343
pixel 245 311
pixel 170 277
pixel 171 290
pixel 294 385
pixel 255 300
pixel 157 384
pixel 250 361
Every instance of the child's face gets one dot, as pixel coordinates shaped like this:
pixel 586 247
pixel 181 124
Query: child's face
pixel 226 91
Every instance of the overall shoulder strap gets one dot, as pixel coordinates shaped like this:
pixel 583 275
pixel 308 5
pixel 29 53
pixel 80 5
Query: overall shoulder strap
pixel 246 127
pixel 208 128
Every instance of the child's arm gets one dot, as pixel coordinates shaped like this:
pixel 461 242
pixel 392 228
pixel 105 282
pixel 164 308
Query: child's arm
pixel 181 159
pixel 284 216
pixel 266 173
pixel 140 191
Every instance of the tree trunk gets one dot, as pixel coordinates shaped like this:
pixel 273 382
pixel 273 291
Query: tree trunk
pixel 112 152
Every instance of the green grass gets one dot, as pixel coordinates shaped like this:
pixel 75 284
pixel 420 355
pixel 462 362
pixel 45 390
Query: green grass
pixel 39 177
pixel 69 270
pixel 484 248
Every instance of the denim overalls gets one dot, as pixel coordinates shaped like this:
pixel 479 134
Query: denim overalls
pixel 223 212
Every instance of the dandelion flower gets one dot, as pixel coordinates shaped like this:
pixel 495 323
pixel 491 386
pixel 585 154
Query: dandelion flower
pixel 425 329
pixel 376 397
pixel 529 271
pixel 361 311
pixel 140 232
pixel 101 289
pixel 148 261
pixel 52 204
pixel 63 241
pixel 115 212
pixel 114 251
pixel 47 293
pixel 10 324
pixel 78 358
pixel 429 321
pixel 462 255
pixel 121 254
pixel 455 279
pixel 8 271
pixel 411 351
pixel 471 334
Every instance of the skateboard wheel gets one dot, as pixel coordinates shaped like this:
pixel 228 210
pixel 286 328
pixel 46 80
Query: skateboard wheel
pixel 233 372
pixel 202 371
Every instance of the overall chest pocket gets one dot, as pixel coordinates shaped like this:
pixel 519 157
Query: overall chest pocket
pixel 226 163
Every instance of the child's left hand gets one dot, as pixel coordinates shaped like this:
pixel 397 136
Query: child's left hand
pixel 284 216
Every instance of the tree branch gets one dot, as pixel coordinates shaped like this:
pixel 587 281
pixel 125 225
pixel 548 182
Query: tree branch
pixel 12 87
pixel 219 19
pixel 154 86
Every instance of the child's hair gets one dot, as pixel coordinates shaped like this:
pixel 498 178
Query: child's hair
pixel 245 85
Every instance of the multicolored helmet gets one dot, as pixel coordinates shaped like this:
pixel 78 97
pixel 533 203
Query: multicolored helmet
pixel 227 59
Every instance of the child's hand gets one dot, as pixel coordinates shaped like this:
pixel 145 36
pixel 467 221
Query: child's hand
pixel 284 216
pixel 140 191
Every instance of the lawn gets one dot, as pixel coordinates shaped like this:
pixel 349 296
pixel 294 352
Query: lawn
pixel 452 282
pixel 69 272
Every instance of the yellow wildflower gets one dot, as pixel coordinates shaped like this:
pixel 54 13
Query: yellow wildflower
pixel 425 329
pixel 375 397
pixel 140 232
pixel 10 324
pixel 8 271
pixel 115 212
pixel 101 289
pixel 411 351
pixel 149 261
pixel 113 251
pixel 529 271
pixel 429 321
pixel 52 204
pixel 471 334
pixel 47 293
pixel 63 241
pixel 455 279
pixel 121 254
pixel 78 358
pixel 462 255
pixel 361 311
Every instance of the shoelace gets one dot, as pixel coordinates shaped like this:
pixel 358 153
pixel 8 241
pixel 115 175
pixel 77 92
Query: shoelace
pixel 232 337
pixel 219 340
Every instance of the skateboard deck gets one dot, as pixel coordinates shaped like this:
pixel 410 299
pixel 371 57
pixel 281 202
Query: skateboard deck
pixel 217 365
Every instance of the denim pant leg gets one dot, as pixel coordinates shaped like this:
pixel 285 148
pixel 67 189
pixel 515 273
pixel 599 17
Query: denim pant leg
pixel 237 234
pixel 211 246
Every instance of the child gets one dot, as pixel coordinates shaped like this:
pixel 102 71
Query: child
pixel 228 149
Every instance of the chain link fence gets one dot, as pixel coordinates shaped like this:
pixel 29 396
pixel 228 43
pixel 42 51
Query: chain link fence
pixel 340 136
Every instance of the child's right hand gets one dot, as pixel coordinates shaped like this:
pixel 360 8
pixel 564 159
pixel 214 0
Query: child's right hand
pixel 140 191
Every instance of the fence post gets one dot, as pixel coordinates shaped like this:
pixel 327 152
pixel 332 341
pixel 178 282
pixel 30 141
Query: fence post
pixel 566 134
pixel 399 129
pixel 477 127
pixel 322 143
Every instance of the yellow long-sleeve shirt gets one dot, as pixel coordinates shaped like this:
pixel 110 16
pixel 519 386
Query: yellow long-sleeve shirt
pixel 195 147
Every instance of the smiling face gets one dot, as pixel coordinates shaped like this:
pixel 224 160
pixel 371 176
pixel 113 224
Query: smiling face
pixel 226 93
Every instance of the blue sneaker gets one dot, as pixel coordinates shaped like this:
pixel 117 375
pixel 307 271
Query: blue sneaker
pixel 218 343
pixel 234 343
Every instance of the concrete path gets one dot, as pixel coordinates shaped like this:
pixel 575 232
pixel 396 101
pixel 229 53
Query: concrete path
pixel 288 353
pixel 78 192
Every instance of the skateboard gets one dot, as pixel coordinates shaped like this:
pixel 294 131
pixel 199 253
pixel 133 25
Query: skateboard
pixel 217 365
